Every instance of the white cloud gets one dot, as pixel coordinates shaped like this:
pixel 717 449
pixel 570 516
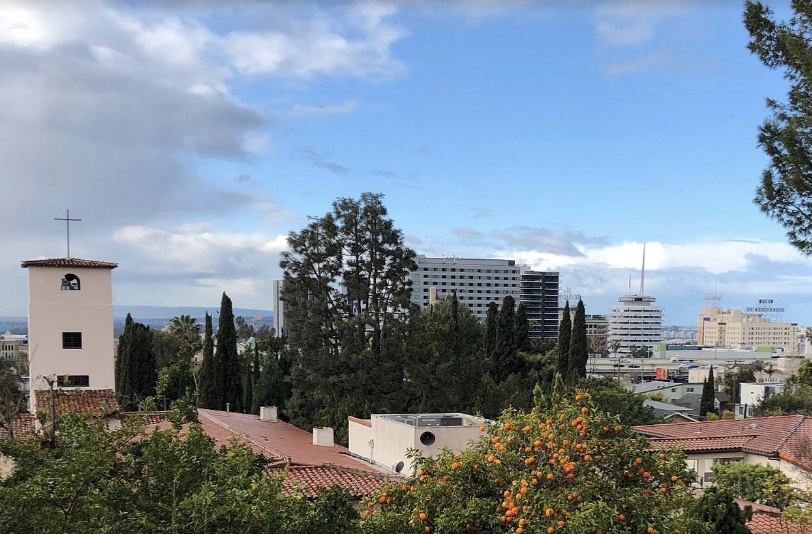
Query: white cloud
pixel 631 22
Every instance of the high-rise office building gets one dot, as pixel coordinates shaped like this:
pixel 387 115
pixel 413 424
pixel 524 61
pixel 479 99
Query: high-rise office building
pixel 636 323
pixel 539 294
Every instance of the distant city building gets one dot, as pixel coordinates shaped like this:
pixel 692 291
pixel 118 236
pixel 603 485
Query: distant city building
pixel 636 323
pixel 279 308
pixel 539 294
pixel 737 329
pixel 597 332
pixel 478 282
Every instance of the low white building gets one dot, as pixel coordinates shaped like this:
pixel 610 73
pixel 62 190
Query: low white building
pixel 385 439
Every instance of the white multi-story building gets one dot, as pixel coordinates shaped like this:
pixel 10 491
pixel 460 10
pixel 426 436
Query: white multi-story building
pixel 477 282
pixel 635 323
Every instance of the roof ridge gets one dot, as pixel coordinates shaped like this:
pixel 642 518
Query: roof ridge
pixel 790 433
pixel 262 446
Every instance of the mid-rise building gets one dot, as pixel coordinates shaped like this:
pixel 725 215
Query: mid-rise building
pixel 477 282
pixel 737 329
pixel 636 323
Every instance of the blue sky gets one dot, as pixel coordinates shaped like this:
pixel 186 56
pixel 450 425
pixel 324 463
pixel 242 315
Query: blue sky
pixel 563 135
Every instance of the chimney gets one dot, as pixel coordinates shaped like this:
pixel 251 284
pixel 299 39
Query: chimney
pixel 323 437
pixel 267 413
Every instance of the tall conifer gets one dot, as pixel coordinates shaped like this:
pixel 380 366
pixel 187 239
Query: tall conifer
pixel 522 330
pixel 707 404
pixel 229 379
pixel 579 348
pixel 564 336
pixel 208 379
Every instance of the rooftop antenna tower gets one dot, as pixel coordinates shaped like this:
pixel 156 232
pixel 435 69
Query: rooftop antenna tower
pixel 643 273
pixel 713 299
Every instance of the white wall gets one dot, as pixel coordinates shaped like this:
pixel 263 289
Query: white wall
pixel 52 311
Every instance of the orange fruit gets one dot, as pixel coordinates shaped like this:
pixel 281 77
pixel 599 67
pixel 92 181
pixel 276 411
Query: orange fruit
pixel 423 516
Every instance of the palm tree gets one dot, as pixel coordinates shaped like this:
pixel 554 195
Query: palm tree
pixel 185 327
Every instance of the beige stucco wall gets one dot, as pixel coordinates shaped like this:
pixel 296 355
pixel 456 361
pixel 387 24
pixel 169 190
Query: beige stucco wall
pixel 390 440
pixel 52 311
pixel 6 467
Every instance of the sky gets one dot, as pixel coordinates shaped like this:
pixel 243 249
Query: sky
pixel 191 138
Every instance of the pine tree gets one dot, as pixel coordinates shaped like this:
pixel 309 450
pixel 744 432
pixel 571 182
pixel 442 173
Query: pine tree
pixel 229 380
pixel 564 336
pixel 522 332
pixel 579 349
pixel 208 378
pixel 706 405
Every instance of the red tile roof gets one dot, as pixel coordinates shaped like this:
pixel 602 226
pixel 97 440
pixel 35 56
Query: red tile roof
pixel 23 426
pixel 308 480
pixel 767 520
pixel 68 263
pixel 92 402
pixel 306 467
pixel 786 436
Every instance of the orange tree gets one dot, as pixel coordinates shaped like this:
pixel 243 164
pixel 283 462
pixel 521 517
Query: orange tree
pixel 568 469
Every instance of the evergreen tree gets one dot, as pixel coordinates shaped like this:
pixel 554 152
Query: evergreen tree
pixel 706 405
pixel 135 369
pixel 346 285
pixel 505 360
pixel 522 333
pixel 717 508
pixel 208 378
pixel 489 335
pixel 579 348
pixel 785 192
pixel 564 336
pixel 229 379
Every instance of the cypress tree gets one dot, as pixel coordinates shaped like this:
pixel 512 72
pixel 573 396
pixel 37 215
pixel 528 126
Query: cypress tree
pixel 579 349
pixel 489 336
pixel 229 376
pixel 505 360
pixel 122 375
pixel 706 404
pixel 253 377
pixel 522 330
pixel 208 379
pixel 564 336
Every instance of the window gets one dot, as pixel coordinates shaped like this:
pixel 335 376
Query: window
pixel 70 282
pixel 73 381
pixel 71 340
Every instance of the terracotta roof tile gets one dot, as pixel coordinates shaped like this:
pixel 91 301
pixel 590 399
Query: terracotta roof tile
pixel 308 480
pixel 69 262
pixel 786 435
pixel 92 402
pixel 23 426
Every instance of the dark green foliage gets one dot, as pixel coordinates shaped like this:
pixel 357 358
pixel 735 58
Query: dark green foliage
pixel 96 480
pixel 504 360
pixel 522 330
pixel 489 339
pixel 579 348
pixel 253 379
pixel 270 387
pixel 346 285
pixel 227 362
pixel 12 399
pixel 785 192
pixel 564 336
pixel 707 404
pixel 617 401
pixel 135 369
pixel 207 394
pixel 444 364
pixel 757 483
pixel 717 508
pixel 741 374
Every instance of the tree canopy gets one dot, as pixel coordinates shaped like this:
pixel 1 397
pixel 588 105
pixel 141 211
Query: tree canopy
pixel 785 192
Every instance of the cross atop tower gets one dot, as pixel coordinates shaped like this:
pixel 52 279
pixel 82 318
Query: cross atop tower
pixel 67 220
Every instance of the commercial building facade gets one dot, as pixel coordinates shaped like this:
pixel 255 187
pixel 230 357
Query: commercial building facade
pixel 736 329
pixel 636 323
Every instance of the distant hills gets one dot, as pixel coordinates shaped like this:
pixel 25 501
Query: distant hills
pixel 154 316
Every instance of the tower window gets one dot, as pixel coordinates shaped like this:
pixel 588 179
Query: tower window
pixel 73 381
pixel 70 282
pixel 71 340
